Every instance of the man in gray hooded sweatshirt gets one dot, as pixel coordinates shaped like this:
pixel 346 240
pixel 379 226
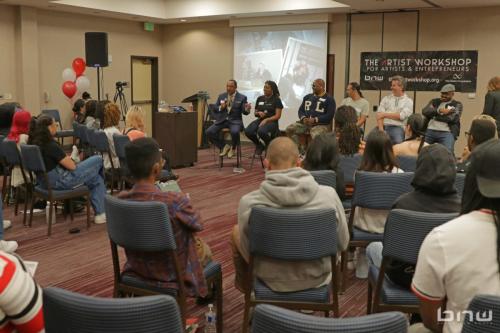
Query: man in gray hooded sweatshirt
pixel 286 186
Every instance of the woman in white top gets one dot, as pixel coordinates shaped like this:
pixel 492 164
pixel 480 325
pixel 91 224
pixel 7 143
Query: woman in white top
pixel 460 259
pixel 111 119
pixel 356 100
pixel 415 137
pixel 378 156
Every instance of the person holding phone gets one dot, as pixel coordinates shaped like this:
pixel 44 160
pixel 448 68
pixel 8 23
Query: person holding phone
pixel 443 115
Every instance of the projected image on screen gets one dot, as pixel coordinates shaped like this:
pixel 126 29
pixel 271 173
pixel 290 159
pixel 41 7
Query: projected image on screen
pixel 292 58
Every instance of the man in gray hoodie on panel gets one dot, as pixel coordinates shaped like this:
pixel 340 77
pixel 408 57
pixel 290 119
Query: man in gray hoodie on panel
pixel 286 186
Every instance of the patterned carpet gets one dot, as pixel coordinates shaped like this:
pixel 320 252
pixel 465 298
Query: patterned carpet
pixel 82 262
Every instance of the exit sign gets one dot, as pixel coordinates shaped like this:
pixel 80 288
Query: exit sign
pixel 148 26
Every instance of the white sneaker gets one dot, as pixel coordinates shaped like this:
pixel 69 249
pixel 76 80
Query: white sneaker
pixel 230 153
pixel 100 219
pixel 225 150
pixel 361 264
pixel 6 224
pixel 8 246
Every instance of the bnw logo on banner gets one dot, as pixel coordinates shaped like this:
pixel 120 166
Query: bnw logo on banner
pixel 423 70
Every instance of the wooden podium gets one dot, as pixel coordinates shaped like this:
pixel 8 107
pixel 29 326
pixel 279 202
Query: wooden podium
pixel 176 133
pixel 199 101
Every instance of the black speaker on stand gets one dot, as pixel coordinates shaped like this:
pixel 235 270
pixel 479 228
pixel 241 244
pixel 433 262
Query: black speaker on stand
pixel 96 54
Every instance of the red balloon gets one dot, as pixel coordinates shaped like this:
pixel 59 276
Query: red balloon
pixel 69 88
pixel 79 66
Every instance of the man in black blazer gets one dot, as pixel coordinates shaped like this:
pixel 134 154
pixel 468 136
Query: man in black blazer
pixel 229 108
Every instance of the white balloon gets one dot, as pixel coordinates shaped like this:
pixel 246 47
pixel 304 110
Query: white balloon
pixel 68 74
pixel 82 83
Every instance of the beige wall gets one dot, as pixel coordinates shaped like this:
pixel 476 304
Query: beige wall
pixel 197 56
pixel 468 29
pixel 8 82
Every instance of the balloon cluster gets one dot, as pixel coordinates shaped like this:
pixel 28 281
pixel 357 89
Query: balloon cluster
pixel 74 80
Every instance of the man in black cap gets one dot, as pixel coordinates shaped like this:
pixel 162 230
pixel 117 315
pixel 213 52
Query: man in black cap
pixel 443 115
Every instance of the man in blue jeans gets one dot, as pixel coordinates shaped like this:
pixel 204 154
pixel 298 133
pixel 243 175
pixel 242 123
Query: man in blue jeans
pixel 443 115
pixel 6 246
pixel 394 110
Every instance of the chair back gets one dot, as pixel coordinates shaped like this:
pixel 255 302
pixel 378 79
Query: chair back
pixel 349 165
pixel 378 190
pixel 82 132
pixel 32 159
pixel 483 315
pixel 459 183
pixel 54 113
pixel 272 319
pixel 11 152
pixel 66 311
pixel 405 231
pixel 293 234
pixel 139 225
pixel 407 163
pixel 100 141
pixel 325 177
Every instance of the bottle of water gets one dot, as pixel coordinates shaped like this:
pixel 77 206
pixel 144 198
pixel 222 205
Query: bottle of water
pixel 75 156
pixel 210 320
pixel 47 213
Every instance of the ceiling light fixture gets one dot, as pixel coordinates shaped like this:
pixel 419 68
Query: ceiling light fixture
pixel 183 20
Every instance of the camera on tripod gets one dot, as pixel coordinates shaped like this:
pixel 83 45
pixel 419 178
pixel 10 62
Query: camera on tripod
pixel 121 84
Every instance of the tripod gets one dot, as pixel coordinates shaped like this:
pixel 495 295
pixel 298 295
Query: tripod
pixel 123 101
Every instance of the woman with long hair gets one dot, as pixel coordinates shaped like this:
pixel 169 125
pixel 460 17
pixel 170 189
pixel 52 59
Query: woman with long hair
pixel 377 157
pixel 134 123
pixel 111 120
pixel 19 133
pixel 347 130
pixel 492 101
pixel 323 154
pixel 63 173
pixel 268 109
pixel 90 115
pixel 460 259
pixel 415 137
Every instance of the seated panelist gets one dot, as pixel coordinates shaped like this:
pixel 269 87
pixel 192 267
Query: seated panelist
pixel 228 114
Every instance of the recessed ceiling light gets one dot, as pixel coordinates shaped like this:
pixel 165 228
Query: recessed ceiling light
pixel 183 20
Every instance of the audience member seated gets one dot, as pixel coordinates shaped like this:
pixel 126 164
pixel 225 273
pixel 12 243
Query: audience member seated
pixel 414 133
pixel 492 101
pixel 5 246
pixel 377 157
pixel 268 109
pixel 145 164
pixel 347 131
pixel 134 123
pixel 62 171
pixel 89 118
pixel 7 111
pixel 99 112
pixel 434 192
pixel 19 133
pixel 323 154
pixel 315 115
pixel 482 129
pixel 460 259
pixel 79 111
pixel 356 100
pixel 20 298
pixel 111 120
pixel 289 186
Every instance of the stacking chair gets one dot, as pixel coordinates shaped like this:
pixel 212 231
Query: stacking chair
pixel 290 235
pixel 486 307
pixel 145 226
pixel 407 163
pixel 100 142
pixel 66 311
pixel 349 165
pixel 459 183
pixel 13 158
pixel 61 133
pixel 5 171
pixel 33 163
pixel 325 177
pixel 403 236
pixel 120 141
pixel 272 319
pixel 374 190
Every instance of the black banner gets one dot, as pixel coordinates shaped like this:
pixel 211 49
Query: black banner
pixel 423 70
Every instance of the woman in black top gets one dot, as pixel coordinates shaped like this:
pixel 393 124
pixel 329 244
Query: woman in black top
pixel 492 101
pixel 268 109
pixel 62 172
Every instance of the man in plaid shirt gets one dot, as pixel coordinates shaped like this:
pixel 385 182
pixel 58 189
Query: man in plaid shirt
pixel 145 164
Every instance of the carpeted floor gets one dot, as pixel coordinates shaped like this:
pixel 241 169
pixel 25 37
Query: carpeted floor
pixel 82 262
